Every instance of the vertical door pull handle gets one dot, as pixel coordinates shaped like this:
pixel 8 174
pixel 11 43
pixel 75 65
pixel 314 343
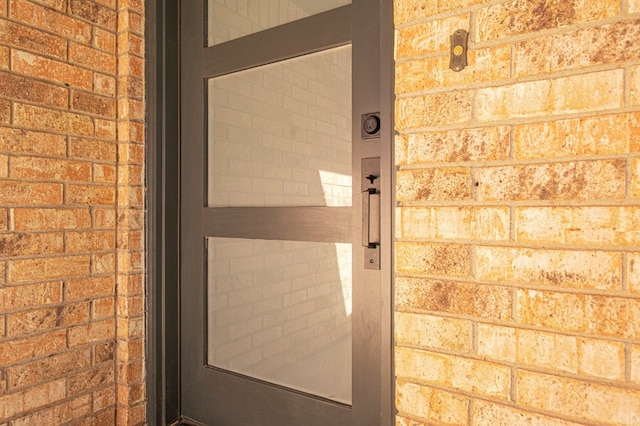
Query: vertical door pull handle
pixel 370 218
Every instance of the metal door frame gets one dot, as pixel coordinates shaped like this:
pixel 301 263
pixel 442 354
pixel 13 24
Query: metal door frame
pixel 162 217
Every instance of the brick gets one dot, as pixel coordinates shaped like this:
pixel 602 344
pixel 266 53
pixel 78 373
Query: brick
pixel 580 180
pixel 50 219
pixel 577 50
pixel 88 241
pixel 36 168
pixel 635 178
pixel 406 11
pixel 601 358
pixel 497 342
pixel 46 269
pixel 432 332
pixel 4 57
pixel 26 89
pixel 5 111
pixel 634 84
pixel 25 142
pixel 60 5
pixel 90 194
pixel 602 135
pixel 103 263
pixel 105 129
pixel 131 21
pixel 635 363
pixel 104 40
pixel 88 380
pixel 57 121
pixel 59 413
pixel 633 272
pixel 610 226
pixel 104 84
pixel 30 296
pixel 104 218
pixel 485 143
pixel 131 372
pixel 433 184
pixel 52 70
pixel 130 285
pixel 128 350
pixel 524 16
pixel 129 395
pixel 131 174
pixel 102 308
pixel 92 149
pixel 22 37
pixel 92 58
pixel 465 374
pixel 4 166
pixel 132 87
pixel 17 350
pixel 94 13
pixel 4 220
pixel 49 367
pixel 548 350
pixel 131 305
pixel 433 259
pixel 552 310
pixel 490 64
pixel 539 98
pixel 45 394
pixel 488 413
pixel 431 404
pixel 11 405
pixel 92 332
pixel 104 352
pixel 28 322
pixel 130 66
pixel 437 109
pixel 131 109
pixel 103 173
pixel 87 288
pixel 130 328
pixel 132 44
pixel 25 193
pixel 480 301
pixel 554 268
pixel 103 399
pixel 599 403
pixel 93 104
pixel 613 316
pixel 455 223
pixel 426 38
pixel 41 17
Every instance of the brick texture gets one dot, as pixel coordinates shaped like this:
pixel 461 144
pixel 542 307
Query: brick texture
pixel 71 209
pixel 517 260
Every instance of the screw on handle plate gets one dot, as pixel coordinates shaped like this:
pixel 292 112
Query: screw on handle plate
pixel 458 55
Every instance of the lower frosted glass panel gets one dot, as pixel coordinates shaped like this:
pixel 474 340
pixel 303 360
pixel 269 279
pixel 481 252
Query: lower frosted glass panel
pixel 280 311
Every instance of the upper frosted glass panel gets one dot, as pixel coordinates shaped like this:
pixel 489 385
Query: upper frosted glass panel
pixel 231 19
pixel 280 134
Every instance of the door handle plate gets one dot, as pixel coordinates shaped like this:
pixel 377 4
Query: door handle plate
pixel 370 184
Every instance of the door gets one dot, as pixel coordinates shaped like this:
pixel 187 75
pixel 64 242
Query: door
pixel 284 245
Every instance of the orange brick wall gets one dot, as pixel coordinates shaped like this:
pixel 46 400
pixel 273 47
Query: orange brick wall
pixel 518 185
pixel 71 166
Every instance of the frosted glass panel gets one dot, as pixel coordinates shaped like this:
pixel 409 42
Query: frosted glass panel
pixel 280 134
pixel 231 19
pixel 280 311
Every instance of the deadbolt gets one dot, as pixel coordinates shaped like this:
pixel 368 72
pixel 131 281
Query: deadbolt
pixel 371 125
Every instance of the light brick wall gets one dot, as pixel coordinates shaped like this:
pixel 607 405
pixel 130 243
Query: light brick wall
pixel 71 162
pixel 517 278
